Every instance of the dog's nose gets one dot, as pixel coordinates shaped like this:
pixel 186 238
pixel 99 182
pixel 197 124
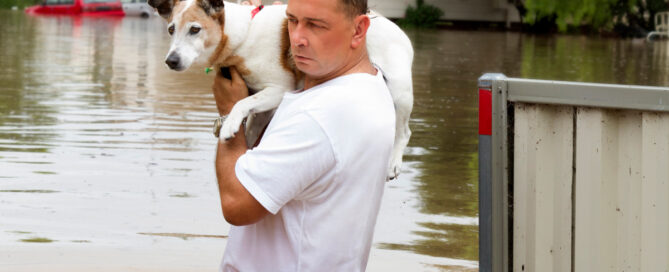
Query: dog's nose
pixel 172 61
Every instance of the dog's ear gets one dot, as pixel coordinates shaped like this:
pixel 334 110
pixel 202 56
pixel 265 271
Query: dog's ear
pixel 164 7
pixel 217 5
pixel 211 7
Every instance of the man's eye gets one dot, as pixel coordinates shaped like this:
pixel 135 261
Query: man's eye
pixel 194 30
pixel 170 30
pixel 292 21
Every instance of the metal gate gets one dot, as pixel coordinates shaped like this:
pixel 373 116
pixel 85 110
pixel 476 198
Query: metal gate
pixel 572 176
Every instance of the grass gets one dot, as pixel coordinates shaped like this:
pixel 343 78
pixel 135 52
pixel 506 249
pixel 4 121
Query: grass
pixel 182 195
pixel 184 236
pixel 37 240
pixel 29 191
pixel 44 172
pixel 19 232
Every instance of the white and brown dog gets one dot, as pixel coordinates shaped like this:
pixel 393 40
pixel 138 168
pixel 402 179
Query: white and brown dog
pixel 223 34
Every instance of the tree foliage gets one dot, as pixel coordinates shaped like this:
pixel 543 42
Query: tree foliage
pixel 595 14
pixel 570 12
pixel 642 12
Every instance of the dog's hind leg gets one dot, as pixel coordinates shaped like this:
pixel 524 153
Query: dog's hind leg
pixel 396 66
pixel 403 100
pixel 264 100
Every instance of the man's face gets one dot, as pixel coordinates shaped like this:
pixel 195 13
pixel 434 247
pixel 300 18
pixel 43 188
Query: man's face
pixel 320 36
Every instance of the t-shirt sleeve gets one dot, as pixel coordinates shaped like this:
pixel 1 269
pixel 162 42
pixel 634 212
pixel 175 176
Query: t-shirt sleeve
pixel 291 156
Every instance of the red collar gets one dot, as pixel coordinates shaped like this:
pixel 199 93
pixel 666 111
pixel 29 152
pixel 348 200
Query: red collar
pixel 256 10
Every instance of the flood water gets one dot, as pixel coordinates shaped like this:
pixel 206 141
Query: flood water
pixel 106 156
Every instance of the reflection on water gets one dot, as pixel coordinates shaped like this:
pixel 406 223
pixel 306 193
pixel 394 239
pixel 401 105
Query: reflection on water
pixel 99 142
pixel 92 122
pixel 584 59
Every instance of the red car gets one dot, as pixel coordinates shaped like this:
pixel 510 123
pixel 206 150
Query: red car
pixel 84 7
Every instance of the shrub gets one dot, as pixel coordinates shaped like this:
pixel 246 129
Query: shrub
pixel 423 15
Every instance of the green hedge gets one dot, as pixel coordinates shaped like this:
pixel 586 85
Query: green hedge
pixel 423 15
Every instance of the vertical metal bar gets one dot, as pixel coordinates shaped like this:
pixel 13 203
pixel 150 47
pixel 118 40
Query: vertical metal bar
pixel 493 221
pixel 485 179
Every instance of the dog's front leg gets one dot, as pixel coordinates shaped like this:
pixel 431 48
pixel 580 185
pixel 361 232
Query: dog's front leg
pixel 266 99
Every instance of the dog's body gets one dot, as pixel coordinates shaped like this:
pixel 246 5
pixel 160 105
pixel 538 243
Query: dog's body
pixel 258 46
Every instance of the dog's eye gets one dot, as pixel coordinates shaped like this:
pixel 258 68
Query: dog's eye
pixel 194 30
pixel 170 29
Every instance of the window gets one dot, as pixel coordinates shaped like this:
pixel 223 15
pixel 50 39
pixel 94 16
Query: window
pixel 58 2
pixel 98 1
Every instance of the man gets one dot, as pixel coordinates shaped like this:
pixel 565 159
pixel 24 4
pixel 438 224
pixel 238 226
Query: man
pixel 307 197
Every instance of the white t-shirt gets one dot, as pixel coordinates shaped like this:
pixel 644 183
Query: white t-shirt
pixel 320 169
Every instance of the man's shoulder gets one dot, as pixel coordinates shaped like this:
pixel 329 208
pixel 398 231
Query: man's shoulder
pixel 352 90
pixel 357 100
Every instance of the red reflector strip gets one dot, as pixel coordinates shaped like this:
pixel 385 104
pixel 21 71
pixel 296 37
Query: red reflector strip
pixel 485 112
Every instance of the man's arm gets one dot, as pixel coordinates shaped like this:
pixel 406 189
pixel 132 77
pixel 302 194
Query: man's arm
pixel 238 205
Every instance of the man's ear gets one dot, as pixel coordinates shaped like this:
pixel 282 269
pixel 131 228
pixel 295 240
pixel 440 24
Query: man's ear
pixel 360 24
pixel 164 7
pixel 211 7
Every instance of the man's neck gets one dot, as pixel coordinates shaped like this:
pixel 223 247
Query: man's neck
pixel 359 65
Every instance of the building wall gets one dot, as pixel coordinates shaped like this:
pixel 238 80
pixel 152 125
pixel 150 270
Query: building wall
pixel 455 10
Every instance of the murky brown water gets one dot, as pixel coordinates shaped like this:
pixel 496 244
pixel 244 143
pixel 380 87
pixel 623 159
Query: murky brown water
pixel 99 142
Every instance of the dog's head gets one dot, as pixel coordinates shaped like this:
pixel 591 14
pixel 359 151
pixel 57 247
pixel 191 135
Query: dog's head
pixel 195 27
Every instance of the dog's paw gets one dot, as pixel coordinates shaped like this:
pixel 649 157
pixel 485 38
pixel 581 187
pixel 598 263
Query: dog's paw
pixel 231 125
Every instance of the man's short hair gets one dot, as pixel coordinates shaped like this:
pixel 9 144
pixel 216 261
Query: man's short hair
pixel 353 8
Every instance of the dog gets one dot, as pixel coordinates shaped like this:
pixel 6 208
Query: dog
pixel 255 40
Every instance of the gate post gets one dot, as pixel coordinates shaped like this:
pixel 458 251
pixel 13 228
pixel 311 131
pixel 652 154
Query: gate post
pixel 493 180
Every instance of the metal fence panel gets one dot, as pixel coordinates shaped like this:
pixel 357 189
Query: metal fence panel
pixel 543 141
pixel 655 192
pixel 608 190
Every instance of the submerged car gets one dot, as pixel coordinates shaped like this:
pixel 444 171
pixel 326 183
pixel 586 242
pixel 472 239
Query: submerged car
pixel 137 8
pixel 84 7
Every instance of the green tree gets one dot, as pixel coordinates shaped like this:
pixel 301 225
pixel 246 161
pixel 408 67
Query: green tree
pixel 571 13
pixel 641 12
pixel 598 15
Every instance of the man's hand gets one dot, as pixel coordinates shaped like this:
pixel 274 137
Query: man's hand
pixel 228 91
pixel 238 205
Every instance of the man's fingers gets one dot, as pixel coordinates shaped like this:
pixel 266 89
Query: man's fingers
pixel 234 75
pixel 225 72
pixel 221 77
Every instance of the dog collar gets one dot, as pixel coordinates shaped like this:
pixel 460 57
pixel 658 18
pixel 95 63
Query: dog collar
pixel 256 10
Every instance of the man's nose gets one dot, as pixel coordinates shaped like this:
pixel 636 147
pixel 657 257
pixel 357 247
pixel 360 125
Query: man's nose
pixel 297 37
